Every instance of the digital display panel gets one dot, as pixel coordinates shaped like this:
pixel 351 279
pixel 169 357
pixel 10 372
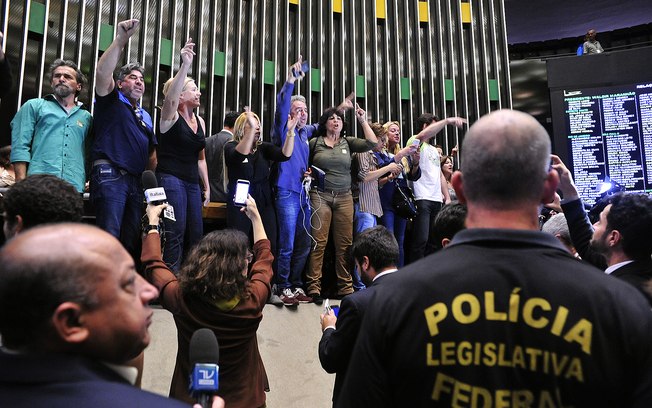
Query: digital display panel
pixel 607 133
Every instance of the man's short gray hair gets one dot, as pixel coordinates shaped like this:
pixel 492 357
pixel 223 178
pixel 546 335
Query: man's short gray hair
pixel 126 70
pixel 299 98
pixel 558 226
pixel 505 160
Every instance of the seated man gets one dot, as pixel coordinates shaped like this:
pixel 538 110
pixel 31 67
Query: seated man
pixel 72 311
pixel 375 252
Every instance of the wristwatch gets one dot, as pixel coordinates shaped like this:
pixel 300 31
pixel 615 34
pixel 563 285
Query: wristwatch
pixel 149 228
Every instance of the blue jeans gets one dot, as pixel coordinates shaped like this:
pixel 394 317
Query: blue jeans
pixel 396 225
pixel 362 221
pixel 187 230
pixel 422 230
pixel 118 200
pixel 293 213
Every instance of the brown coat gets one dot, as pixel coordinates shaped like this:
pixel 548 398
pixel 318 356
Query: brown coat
pixel 242 377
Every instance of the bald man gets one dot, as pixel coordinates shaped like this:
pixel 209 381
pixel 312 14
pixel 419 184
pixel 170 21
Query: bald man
pixel 73 310
pixel 505 316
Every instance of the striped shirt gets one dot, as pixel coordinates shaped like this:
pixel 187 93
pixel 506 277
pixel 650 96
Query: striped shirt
pixel 368 196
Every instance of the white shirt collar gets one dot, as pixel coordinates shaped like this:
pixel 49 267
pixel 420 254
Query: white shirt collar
pixel 613 267
pixel 383 273
pixel 128 373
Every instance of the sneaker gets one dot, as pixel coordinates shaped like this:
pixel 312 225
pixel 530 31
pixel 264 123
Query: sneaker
pixel 301 296
pixel 275 300
pixel 287 297
pixel 316 298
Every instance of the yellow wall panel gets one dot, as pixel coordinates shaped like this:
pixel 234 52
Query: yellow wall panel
pixel 337 6
pixel 294 1
pixel 423 12
pixel 466 12
pixel 380 9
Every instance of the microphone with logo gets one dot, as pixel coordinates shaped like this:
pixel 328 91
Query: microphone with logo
pixel 154 194
pixel 204 355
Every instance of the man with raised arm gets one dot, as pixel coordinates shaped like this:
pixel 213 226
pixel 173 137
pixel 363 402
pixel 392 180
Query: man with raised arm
pixel 124 144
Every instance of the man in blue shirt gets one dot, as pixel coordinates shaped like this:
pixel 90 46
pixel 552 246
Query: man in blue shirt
pixel 292 202
pixel 124 143
pixel 48 134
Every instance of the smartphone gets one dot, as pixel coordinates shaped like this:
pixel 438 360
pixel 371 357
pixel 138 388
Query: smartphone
pixel 305 67
pixel 241 193
pixel 327 306
pixel 416 142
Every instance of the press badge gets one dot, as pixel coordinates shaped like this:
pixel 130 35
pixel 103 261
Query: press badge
pixel 343 151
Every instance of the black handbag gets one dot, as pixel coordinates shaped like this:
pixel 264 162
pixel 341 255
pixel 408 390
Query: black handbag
pixel 403 201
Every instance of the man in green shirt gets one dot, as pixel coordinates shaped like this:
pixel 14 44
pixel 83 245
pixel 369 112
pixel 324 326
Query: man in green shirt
pixel 48 134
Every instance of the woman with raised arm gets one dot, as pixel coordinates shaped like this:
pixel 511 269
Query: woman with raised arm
pixel 408 157
pixel 331 151
pixel 247 157
pixel 182 161
pixel 220 289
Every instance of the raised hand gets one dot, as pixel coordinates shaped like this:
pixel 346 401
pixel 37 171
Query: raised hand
pixel 126 29
pixel 566 183
pixel 295 69
pixel 347 103
pixel 292 122
pixel 251 119
pixel 360 113
pixel 188 52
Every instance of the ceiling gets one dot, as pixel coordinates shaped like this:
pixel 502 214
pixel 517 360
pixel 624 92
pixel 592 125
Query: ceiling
pixel 530 21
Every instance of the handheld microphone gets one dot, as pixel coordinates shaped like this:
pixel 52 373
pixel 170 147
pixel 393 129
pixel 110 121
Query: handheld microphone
pixel 154 194
pixel 204 355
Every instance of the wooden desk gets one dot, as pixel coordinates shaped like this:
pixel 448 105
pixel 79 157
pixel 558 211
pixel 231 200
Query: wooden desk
pixel 214 212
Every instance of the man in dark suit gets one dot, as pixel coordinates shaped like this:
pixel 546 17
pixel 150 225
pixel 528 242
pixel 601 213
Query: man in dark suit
pixel 505 315
pixel 73 310
pixel 620 241
pixel 375 252
pixel 214 161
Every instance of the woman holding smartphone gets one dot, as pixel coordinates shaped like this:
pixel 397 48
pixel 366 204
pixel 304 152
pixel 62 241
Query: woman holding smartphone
pixel 182 161
pixel 247 157
pixel 222 286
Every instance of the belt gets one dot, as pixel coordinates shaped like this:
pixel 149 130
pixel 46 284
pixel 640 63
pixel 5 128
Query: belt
pixel 104 161
pixel 333 192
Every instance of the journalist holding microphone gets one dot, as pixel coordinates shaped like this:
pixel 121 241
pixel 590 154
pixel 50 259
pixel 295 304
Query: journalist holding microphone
pixel 217 289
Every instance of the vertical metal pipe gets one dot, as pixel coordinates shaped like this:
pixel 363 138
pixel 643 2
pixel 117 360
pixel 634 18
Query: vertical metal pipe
pixel 62 36
pixel 96 47
pixel 44 46
pixel 505 56
pixel 80 34
pixel 23 53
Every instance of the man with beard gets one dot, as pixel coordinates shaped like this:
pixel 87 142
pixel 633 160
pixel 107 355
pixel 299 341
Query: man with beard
pixel 48 134
pixel 620 241
pixel 124 143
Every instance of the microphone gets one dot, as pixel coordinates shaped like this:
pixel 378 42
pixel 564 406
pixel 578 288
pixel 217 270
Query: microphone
pixel 154 194
pixel 204 355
